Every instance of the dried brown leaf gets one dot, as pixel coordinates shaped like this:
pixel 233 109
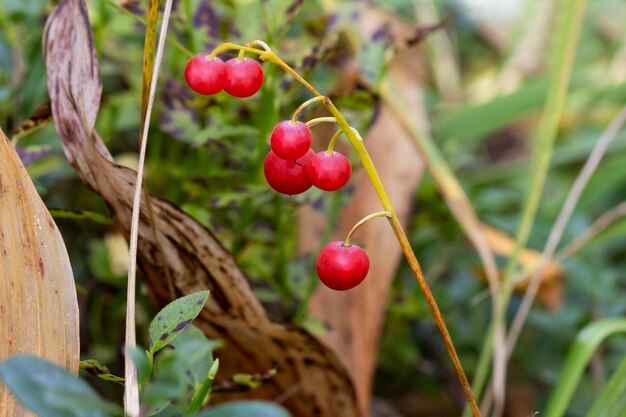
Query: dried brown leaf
pixel 552 276
pixel 38 306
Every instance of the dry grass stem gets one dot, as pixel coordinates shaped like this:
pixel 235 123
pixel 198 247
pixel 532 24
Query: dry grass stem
pixel 131 388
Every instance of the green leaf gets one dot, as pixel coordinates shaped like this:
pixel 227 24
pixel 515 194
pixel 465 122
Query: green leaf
pixel 612 401
pixel 586 343
pixel 174 318
pixel 469 123
pixel 95 368
pixel 245 409
pixel 50 391
pixel 179 373
pixel 196 352
pixel 247 380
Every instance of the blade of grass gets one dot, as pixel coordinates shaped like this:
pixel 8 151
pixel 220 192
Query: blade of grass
pixel 587 341
pixel 604 221
pixel 612 400
pixel 559 226
pixel 563 51
pixel 149 46
pixel 131 388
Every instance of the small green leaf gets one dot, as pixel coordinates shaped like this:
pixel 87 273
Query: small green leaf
pixel 95 368
pixel 50 391
pixel 247 380
pixel 179 373
pixel 196 352
pixel 174 318
pixel 245 409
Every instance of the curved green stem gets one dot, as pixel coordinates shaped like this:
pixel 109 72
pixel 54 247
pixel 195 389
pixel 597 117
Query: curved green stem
pixel 304 105
pixel 346 242
pixel 331 144
pixel 357 143
pixel 319 120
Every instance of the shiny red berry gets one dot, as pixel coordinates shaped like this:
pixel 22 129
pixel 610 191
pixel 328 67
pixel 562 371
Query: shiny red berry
pixel 342 267
pixel 290 140
pixel 243 77
pixel 204 75
pixel 287 176
pixel 328 172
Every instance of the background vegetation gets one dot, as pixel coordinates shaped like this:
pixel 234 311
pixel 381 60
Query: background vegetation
pixel 206 155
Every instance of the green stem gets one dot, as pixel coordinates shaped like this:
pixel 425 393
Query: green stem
pixel 319 120
pixel 302 106
pixel 346 242
pixel 202 394
pixel 331 144
pixel 357 143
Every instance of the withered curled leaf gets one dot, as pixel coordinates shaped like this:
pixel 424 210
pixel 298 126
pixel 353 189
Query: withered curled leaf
pixel 310 380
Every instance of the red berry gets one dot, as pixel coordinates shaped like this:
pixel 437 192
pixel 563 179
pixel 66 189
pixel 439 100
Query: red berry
pixel 328 172
pixel 290 141
pixel 205 76
pixel 244 78
pixel 342 267
pixel 287 176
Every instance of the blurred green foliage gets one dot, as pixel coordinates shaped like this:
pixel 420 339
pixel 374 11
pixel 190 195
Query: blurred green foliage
pixel 206 155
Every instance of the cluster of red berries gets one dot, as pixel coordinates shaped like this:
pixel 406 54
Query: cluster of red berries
pixel 290 167
pixel 239 77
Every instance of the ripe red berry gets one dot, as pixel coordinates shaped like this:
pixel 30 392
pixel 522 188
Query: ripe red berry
pixel 244 77
pixel 204 75
pixel 290 140
pixel 342 267
pixel 328 172
pixel 287 176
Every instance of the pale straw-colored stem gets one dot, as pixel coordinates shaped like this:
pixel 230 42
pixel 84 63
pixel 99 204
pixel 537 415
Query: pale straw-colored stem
pixel 131 386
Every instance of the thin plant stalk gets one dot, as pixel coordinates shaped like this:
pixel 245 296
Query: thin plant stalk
pixel 596 228
pixel 131 387
pixel 563 51
pixel 559 226
pixel 454 196
pixel 357 143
